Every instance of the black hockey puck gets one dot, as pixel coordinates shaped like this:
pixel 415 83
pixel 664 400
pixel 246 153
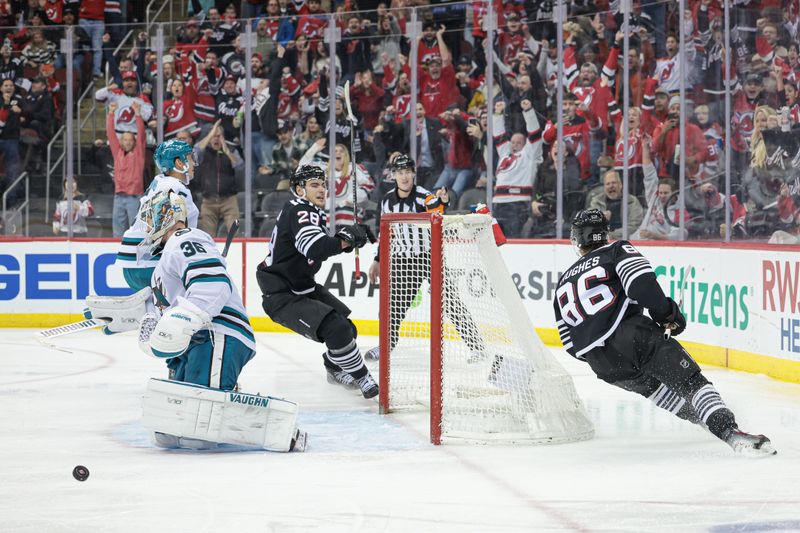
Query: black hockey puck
pixel 81 473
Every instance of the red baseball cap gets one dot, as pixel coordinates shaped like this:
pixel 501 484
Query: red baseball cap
pixel 129 75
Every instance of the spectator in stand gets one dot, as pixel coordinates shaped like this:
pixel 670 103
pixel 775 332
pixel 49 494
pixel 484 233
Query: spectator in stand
pixel 286 154
pixel 220 34
pixel 216 179
pixel 82 43
pixel 179 111
pixel 39 51
pixel 229 101
pixel 610 203
pixel 11 68
pixel 92 19
pixel 344 212
pixel 438 89
pixel 10 112
pixel 367 100
pixel 662 206
pixel 458 174
pixel 124 117
pixel 519 159
pixel 234 62
pixel 128 152
pixel 713 134
pixel 576 134
pixel 38 112
pixel 666 139
pixel 430 157
pixel 343 128
pixel 312 131
pixel 78 211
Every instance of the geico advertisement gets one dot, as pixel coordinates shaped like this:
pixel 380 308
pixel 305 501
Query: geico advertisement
pixel 55 277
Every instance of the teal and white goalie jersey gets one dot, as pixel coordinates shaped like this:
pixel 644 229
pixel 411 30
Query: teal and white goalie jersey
pixel 192 268
pixel 130 253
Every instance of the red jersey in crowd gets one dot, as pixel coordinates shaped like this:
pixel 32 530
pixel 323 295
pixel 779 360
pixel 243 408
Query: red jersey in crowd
pixel 179 113
pixel 576 140
pixel 93 9
pixel 437 95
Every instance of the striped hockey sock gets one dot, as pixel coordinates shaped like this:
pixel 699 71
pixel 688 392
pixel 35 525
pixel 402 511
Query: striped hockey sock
pixel 713 412
pixel 349 359
pixel 671 401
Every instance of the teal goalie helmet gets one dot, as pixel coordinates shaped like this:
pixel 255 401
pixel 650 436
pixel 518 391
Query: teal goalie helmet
pixel 160 213
pixel 168 151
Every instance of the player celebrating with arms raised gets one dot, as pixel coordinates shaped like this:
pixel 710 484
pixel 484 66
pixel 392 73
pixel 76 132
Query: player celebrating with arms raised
pixel 292 298
pixel 598 307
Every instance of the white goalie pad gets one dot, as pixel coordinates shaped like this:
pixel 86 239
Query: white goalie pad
pixel 196 412
pixel 124 313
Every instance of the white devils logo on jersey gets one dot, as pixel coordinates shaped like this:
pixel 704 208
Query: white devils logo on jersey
pixel 744 122
pixel 574 144
pixel 585 95
pixel 174 111
pixel 126 114
pixel 508 163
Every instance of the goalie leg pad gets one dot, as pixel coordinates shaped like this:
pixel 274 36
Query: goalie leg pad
pixel 124 313
pixel 192 412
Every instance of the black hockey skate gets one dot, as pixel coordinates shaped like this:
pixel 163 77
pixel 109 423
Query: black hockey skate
pixel 749 445
pixel 368 386
pixel 340 377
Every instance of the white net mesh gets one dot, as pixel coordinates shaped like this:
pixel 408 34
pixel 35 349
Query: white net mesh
pixel 499 383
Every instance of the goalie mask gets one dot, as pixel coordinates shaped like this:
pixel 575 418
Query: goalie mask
pixel 160 213
pixel 589 229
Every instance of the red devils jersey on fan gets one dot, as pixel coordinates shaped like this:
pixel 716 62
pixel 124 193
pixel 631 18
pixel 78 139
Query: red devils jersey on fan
pixel 510 44
pixel 599 291
pixel 576 139
pixel 742 121
pixel 180 114
pixel 634 151
pixel 437 95
pixel 53 10
pixel 427 50
pixel 402 108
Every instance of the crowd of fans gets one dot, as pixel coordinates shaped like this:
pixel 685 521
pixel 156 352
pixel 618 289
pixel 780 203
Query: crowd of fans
pixel 204 68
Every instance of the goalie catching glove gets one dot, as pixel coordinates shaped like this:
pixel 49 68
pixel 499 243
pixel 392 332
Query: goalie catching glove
pixel 356 236
pixel 169 336
pixel 123 313
pixel 673 319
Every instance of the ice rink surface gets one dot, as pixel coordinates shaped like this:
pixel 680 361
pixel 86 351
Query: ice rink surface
pixel 644 470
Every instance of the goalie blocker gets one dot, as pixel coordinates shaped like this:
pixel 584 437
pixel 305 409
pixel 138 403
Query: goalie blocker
pixel 183 415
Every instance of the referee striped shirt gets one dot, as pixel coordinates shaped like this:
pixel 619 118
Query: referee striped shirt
pixel 411 240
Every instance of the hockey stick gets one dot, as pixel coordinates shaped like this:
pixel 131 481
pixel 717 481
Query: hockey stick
pixel 684 282
pixel 44 337
pixel 232 231
pixel 353 174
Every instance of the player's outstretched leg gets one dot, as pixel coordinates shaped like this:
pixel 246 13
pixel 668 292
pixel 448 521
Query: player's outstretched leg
pixel 674 367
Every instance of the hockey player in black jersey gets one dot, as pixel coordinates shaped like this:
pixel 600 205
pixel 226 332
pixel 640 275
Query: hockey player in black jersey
pixel 599 308
pixel 292 298
pixel 408 197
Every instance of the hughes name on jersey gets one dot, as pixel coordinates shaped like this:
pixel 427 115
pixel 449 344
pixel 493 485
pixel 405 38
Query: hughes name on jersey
pixel 192 268
pixel 599 291
pixel 299 245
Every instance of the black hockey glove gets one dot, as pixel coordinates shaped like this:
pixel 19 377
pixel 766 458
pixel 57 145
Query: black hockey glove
pixel 356 236
pixel 673 319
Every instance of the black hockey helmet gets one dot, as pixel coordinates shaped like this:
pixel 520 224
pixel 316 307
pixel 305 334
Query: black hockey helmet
pixel 303 173
pixel 589 229
pixel 402 162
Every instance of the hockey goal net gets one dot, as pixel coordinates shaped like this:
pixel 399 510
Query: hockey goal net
pixel 456 339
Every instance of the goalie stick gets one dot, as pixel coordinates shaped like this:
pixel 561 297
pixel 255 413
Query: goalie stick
pixel 44 336
pixel 353 174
